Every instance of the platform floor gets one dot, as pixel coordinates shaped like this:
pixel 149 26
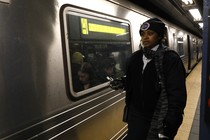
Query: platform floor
pixel 189 130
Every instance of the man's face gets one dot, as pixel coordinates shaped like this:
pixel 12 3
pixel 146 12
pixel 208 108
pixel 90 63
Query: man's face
pixel 149 38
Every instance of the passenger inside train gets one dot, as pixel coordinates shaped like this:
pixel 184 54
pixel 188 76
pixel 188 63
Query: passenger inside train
pixel 108 69
pixel 77 60
pixel 87 77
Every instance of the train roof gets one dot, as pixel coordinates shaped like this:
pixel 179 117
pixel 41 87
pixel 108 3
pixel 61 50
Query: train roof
pixel 179 15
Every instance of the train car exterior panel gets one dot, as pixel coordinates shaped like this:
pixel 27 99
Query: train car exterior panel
pixel 30 56
pixel 45 77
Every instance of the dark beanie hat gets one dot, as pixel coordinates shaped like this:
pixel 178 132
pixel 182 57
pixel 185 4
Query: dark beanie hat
pixel 154 24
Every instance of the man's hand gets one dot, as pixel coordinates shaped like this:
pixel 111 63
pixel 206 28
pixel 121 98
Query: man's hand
pixel 118 83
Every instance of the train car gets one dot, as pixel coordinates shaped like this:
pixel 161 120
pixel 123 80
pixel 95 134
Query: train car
pixel 187 45
pixel 48 47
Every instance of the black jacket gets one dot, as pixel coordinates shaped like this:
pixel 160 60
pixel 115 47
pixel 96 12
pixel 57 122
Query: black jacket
pixel 143 90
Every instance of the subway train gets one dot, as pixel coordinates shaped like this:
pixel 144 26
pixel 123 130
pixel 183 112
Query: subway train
pixel 48 49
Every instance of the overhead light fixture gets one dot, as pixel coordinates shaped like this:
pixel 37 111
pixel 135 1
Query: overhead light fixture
pixel 188 2
pixel 196 14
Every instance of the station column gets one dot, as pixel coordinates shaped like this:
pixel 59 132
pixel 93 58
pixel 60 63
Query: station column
pixel 205 89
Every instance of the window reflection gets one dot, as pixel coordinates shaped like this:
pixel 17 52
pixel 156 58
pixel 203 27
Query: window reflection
pixel 180 46
pixel 97 62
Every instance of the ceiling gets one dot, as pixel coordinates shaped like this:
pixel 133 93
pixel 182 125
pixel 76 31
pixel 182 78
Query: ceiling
pixel 173 11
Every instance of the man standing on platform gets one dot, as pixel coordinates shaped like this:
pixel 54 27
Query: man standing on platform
pixel 155 87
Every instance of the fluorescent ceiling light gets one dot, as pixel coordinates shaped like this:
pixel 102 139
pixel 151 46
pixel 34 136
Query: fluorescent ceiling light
pixel 196 14
pixel 188 2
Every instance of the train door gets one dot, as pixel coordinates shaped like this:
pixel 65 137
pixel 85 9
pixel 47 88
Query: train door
pixel 193 51
pixel 181 46
pixel 174 40
pixel 189 53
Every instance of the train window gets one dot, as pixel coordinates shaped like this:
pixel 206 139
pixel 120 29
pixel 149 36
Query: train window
pixel 180 46
pixel 165 37
pixel 96 47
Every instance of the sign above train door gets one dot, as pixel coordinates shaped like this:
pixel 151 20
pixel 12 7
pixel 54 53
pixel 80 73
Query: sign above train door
pixel 5 1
